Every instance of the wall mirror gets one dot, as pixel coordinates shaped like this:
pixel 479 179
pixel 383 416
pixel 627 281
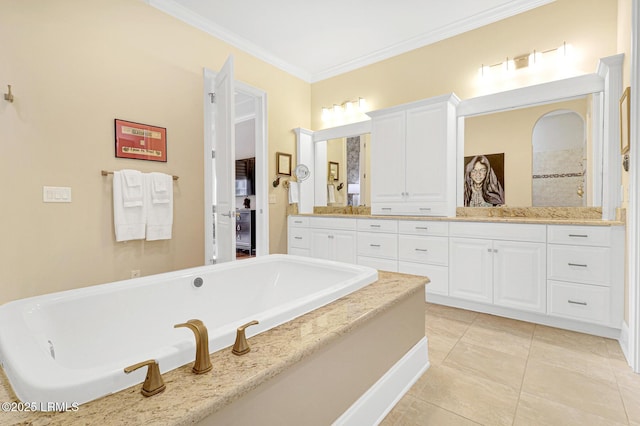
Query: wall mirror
pixel 346 146
pixel 558 139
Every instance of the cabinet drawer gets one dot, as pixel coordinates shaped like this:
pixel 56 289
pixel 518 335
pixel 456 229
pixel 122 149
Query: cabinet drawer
pixel 579 235
pixel 377 263
pixel 589 265
pixel 582 302
pixel 299 237
pixel 431 250
pixel 299 251
pixel 332 223
pixel 499 231
pixel 423 227
pixel 298 221
pixel 426 209
pixel 378 245
pixel 378 225
pixel 438 276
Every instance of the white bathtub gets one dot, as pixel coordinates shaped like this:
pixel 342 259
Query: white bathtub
pixel 71 347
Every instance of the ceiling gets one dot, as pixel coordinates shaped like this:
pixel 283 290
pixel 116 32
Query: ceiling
pixel 316 40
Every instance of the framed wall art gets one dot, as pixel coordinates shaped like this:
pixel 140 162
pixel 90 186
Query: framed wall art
pixel 334 170
pixel 283 163
pixel 140 141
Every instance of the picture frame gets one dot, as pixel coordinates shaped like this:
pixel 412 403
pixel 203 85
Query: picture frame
pixel 334 171
pixel 283 163
pixel 140 141
pixel 625 121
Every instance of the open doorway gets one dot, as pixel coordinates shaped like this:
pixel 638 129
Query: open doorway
pixel 250 142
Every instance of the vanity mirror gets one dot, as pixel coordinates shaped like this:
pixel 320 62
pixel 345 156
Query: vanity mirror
pixel 545 164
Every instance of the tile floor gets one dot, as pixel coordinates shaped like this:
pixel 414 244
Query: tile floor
pixel 490 371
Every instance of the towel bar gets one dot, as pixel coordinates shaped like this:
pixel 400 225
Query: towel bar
pixel 105 173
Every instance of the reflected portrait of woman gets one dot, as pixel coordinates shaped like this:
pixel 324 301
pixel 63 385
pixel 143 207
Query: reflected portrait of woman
pixel 481 185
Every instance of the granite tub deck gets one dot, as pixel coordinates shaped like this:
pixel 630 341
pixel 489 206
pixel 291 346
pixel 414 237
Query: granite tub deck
pixel 190 398
pixel 541 215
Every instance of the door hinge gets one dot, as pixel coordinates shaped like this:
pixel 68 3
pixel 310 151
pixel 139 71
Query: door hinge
pixel 213 209
pixel 212 96
pixel 213 154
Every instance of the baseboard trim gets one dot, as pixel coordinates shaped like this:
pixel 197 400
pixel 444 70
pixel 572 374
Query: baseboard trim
pixel 372 407
pixel 624 341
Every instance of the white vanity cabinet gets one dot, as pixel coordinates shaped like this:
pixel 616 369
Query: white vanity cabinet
pixel 585 267
pixel 499 264
pixel 298 236
pixel 413 158
pixel 423 249
pixel 332 238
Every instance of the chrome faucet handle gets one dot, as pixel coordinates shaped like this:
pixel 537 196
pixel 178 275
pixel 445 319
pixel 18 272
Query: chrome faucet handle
pixel 153 383
pixel 241 347
pixel 202 363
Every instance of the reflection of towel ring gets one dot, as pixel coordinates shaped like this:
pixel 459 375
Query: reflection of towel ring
pixel 301 172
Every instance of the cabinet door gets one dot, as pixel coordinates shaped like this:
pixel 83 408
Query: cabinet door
pixel 343 246
pixel 387 158
pixel 320 243
pixel 470 269
pixel 426 154
pixel 519 275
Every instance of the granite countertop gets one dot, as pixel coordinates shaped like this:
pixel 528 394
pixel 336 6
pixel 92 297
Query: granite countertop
pixel 590 216
pixel 190 398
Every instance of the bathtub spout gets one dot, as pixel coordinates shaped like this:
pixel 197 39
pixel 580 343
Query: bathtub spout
pixel 203 361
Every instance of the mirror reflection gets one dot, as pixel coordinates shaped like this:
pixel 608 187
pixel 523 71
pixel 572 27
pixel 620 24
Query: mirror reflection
pixel 548 152
pixel 348 160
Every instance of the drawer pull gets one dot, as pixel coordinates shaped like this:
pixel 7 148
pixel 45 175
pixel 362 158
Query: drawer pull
pixel 374 226
pixel 374 245
pixel 297 221
pixel 419 249
pixel 297 238
pixel 386 208
pixel 423 228
pixel 428 209
pixel 577 264
pixel 574 302
pixel 579 235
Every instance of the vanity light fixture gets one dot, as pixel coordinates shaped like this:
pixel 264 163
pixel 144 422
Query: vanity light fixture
pixel 523 61
pixel 345 109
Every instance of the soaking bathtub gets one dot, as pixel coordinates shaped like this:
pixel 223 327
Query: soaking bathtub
pixel 72 347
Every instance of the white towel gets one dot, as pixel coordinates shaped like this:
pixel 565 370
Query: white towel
pixel 129 212
pixel 331 193
pixel 294 192
pixel 159 203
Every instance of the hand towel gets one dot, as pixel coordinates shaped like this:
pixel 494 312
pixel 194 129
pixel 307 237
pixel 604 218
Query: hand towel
pixel 331 193
pixel 159 203
pixel 132 191
pixel 294 192
pixel 129 213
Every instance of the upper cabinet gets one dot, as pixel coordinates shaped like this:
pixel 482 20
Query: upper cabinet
pixel 413 158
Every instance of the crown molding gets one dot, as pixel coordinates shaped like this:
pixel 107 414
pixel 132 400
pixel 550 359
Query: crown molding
pixel 173 8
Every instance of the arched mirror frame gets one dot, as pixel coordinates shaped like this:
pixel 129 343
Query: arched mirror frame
pixel 606 87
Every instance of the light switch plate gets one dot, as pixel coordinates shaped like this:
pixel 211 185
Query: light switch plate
pixel 272 198
pixel 56 194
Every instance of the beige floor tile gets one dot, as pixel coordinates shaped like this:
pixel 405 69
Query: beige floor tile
pixel 536 411
pixel 629 386
pixel 487 363
pixel 521 328
pixel 571 340
pixel 443 326
pixel 475 398
pixel 510 342
pixel 614 350
pixel 599 397
pixel 424 413
pixel 452 313
pixel 439 348
pixel 573 359
pixel 395 416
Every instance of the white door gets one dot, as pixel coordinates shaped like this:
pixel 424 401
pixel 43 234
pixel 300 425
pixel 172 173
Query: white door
pixel 224 146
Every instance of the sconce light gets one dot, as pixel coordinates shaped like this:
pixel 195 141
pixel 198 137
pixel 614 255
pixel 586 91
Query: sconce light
pixel 534 59
pixel 345 109
pixel 8 96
